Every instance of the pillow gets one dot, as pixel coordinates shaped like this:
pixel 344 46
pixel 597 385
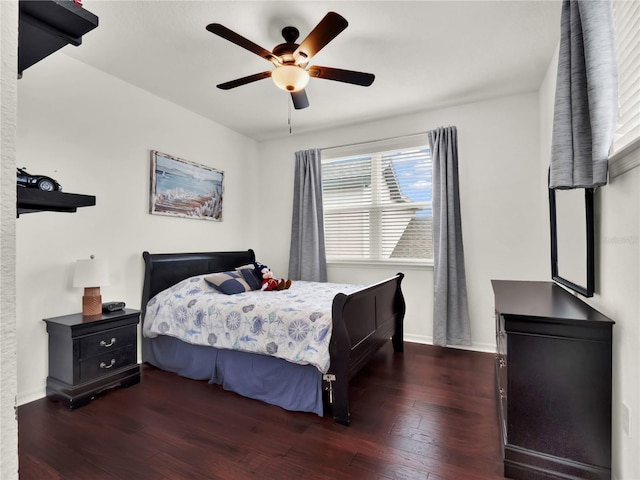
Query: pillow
pixel 249 275
pixel 229 283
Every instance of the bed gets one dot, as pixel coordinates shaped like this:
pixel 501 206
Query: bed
pixel 361 322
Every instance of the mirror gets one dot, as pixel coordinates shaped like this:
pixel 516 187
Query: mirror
pixel 572 237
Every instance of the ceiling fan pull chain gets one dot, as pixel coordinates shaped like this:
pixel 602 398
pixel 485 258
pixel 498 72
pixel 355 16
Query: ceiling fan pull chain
pixel 289 108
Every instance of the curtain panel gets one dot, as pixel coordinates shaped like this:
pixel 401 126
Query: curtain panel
pixel 307 256
pixel 451 325
pixel 586 102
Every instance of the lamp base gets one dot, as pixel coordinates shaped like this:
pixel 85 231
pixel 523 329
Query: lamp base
pixel 91 302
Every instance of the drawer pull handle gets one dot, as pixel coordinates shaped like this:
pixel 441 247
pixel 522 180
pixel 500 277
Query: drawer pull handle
pixel 104 365
pixel 105 344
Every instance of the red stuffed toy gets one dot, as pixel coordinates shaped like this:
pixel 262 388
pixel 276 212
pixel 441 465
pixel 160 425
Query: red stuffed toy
pixel 268 282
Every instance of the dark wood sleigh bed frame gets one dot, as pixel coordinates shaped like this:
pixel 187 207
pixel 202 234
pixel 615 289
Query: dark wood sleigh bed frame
pixel 362 321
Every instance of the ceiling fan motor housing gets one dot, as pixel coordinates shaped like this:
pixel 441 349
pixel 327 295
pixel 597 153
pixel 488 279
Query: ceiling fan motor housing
pixel 285 52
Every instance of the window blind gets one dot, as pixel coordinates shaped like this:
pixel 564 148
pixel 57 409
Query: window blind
pixel 377 204
pixel 627 26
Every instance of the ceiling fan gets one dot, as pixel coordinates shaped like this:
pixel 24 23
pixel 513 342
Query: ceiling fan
pixel 291 60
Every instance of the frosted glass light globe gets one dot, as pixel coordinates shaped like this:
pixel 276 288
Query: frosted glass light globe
pixel 290 78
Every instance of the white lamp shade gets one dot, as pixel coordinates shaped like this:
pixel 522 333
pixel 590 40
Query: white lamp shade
pixel 290 78
pixel 91 273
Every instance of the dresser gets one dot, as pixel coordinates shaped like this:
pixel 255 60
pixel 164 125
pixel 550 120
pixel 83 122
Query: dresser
pixel 88 355
pixel 553 371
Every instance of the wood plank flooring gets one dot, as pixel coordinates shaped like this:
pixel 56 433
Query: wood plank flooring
pixel 429 413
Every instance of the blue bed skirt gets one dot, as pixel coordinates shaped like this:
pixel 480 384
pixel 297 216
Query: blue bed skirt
pixel 272 380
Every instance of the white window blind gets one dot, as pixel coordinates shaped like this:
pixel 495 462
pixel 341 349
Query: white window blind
pixel 627 27
pixel 377 203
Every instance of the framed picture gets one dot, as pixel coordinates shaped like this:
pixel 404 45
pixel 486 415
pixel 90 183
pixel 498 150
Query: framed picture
pixel 181 188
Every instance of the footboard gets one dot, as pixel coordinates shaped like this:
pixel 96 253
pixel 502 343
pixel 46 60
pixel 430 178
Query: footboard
pixel 362 323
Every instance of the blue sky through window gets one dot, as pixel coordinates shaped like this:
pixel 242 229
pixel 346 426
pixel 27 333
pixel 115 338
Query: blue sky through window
pixel 414 175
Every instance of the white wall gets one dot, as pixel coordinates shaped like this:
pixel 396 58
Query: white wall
pixel 8 339
pixel 505 234
pixel 93 133
pixel 617 211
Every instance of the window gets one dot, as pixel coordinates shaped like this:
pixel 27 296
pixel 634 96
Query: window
pixel 377 201
pixel 627 27
pixel 626 143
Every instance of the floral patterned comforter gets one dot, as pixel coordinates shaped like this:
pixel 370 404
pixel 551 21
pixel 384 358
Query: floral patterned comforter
pixel 293 324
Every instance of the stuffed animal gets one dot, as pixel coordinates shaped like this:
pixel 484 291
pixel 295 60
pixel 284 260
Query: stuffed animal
pixel 268 281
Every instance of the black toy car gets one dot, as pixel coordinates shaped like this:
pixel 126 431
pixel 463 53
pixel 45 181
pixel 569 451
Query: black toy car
pixel 42 182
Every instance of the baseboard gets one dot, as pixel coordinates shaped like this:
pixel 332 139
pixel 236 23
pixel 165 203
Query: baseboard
pixel 535 465
pixel 418 339
pixel 476 347
pixel 30 396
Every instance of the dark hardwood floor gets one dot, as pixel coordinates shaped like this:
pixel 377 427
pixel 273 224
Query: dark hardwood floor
pixel 429 413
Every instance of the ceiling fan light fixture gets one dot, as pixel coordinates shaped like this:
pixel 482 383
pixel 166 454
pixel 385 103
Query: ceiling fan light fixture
pixel 290 78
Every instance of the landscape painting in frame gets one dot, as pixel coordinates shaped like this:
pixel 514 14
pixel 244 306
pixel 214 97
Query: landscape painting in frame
pixel 182 188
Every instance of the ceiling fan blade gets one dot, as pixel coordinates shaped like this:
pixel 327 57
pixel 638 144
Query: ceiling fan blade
pixel 239 40
pixel 300 100
pixel 244 80
pixel 328 29
pixel 339 75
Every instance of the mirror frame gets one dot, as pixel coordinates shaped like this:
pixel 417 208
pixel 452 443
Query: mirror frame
pixel 588 289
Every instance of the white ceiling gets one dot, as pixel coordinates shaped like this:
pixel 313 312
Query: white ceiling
pixel 424 54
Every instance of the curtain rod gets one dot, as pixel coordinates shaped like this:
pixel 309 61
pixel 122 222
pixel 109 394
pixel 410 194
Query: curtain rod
pixel 402 137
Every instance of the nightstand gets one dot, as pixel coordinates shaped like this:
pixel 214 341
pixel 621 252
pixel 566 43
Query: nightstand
pixel 88 355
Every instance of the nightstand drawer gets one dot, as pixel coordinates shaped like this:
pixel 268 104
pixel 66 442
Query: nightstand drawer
pixel 107 341
pixel 99 365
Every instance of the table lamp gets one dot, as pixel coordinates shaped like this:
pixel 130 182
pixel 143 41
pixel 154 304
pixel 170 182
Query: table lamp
pixel 91 274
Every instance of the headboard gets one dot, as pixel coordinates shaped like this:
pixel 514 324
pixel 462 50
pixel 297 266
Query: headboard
pixel 162 270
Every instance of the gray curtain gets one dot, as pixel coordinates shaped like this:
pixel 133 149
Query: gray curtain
pixel 307 257
pixel 586 102
pixel 451 324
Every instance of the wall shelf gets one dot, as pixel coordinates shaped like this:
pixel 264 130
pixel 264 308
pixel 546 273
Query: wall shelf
pixel 31 200
pixel 45 27
pixel 48 25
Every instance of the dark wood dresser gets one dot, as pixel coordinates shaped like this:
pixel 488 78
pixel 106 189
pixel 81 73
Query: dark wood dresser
pixel 88 355
pixel 553 368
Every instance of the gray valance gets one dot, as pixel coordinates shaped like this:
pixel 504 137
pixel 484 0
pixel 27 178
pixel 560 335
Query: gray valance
pixel 586 102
